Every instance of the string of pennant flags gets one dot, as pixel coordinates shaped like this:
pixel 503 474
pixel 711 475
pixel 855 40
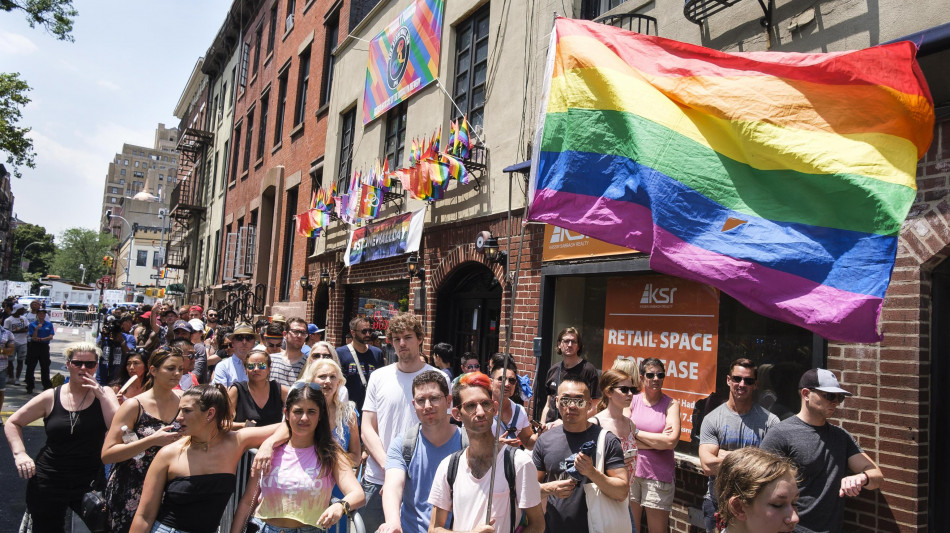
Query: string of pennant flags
pixel 426 178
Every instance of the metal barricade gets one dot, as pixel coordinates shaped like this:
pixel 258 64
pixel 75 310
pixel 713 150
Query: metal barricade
pixel 354 524
pixel 79 318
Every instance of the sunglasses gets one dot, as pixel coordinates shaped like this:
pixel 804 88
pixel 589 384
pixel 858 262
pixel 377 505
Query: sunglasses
pixel 835 397
pixel 511 381
pixel 252 366
pixel 84 364
pixel 658 375
pixel 580 403
pixel 321 356
pixel 273 344
pixel 471 367
pixel 225 346
pixel 190 356
pixel 625 389
pixel 244 338
pixel 740 379
pixel 301 384
pixel 366 331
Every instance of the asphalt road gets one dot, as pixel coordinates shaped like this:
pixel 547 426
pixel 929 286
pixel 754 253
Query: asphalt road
pixel 12 488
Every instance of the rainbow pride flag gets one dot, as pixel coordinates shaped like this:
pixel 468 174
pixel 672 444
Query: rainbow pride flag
pixel 780 178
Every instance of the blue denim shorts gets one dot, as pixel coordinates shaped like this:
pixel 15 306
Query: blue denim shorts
pixel 267 528
pixel 162 528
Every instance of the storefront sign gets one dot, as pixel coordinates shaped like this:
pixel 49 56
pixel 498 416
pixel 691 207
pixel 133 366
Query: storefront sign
pixel 403 58
pixel 560 243
pixel 674 320
pixel 387 238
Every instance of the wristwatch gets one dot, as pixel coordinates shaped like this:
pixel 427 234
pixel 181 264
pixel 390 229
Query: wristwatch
pixel 346 507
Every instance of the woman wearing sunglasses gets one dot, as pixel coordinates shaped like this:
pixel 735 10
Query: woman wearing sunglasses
pixel 149 416
pixel 76 417
pixel 294 494
pixel 657 420
pixel 516 425
pixel 618 389
pixel 260 400
pixel 190 481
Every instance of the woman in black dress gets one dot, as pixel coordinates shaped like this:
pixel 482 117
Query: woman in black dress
pixel 76 416
pixel 260 400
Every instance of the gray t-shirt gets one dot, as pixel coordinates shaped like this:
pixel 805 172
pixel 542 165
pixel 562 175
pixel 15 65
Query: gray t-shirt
pixel 821 454
pixel 732 431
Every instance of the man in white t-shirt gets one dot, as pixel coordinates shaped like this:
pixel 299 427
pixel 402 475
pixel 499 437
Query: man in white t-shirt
pixel 387 408
pixel 473 405
pixel 18 325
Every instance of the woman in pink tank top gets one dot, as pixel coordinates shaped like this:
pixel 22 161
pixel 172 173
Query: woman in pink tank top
pixel 657 418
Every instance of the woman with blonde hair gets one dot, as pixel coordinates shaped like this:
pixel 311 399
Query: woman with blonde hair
pixel 325 350
pixel 618 391
pixel 328 374
pixel 757 491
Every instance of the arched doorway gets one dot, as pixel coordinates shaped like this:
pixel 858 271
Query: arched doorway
pixel 469 310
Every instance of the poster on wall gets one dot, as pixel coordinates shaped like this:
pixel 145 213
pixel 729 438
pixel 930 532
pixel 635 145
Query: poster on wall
pixel 403 58
pixel 674 320
pixel 388 238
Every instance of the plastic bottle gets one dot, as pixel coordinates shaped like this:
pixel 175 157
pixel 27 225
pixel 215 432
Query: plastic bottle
pixel 130 436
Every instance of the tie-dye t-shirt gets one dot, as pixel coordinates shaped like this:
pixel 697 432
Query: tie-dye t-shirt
pixel 294 488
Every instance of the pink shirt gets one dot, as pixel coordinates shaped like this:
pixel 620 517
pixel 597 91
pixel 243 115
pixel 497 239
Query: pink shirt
pixel 294 488
pixel 652 464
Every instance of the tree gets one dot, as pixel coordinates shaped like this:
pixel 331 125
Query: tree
pixel 82 246
pixel 13 139
pixel 56 16
pixel 33 244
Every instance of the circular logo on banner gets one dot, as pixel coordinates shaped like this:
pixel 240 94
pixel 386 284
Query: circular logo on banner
pixel 399 57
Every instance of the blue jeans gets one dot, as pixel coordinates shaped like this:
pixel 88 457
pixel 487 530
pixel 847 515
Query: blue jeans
pixel 267 528
pixel 372 512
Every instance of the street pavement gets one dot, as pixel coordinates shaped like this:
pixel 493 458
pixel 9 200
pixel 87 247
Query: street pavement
pixel 13 489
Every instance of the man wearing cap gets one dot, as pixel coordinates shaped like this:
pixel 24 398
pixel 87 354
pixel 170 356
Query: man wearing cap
pixel 824 453
pixel 18 325
pixel 314 335
pixel 231 370
pixel 358 361
pixel 286 367
pixel 40 335
pixel 195 311
pixel 183 330
pixel 169 317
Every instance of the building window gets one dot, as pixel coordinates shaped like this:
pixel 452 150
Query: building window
pixel 245 58
pixel 265 103
pixel 157 258
pixel 214 172
pixel 471 66
pixel 136 164
pixel 247 140
pixel 347 129
pixel 286 281
pixel 395 135
pixel 141 257
pixel 137 174
pixel 111 200
pixel 259 36
pixel 272 30
pixel 303 80
pixel 281 107
pixel 331 34
pixel 126 162
pixel 289 23
pixel 121 182
pixel 236 149
pixel 122 171
pixel 161 177
pixel 591 9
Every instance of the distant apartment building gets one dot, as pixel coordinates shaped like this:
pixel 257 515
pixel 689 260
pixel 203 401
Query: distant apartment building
pixel 138 169
pixel 7 223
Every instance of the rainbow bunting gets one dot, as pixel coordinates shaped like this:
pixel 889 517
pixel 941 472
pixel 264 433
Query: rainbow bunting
pixel 453 137
pixel 781 178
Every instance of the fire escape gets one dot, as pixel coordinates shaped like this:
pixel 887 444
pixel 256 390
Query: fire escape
pixel 187 203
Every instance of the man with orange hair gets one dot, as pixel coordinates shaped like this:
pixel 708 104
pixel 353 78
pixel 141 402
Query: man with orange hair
pixel 466 475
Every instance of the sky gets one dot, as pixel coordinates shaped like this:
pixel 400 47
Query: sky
pixel 121 77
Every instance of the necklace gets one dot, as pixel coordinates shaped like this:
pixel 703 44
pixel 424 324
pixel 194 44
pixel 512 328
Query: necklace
pixel 74 415
pixel 199 445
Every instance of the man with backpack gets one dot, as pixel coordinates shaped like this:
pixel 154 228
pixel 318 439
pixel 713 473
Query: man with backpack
pixel 413 457
pixel 462 483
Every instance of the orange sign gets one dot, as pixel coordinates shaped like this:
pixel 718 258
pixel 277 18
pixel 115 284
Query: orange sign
pixel 560 243
pixel 674 320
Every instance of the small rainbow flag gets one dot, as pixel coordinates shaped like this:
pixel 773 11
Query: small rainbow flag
pixel 780 178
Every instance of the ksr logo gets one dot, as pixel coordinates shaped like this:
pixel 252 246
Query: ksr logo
pixel 658 295
pixel 560 235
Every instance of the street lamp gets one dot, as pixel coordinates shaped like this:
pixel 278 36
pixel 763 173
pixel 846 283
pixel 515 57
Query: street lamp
pixel 128 262
pixel 23 251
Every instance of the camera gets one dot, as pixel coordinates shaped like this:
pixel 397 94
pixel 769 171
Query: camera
pixel 111 327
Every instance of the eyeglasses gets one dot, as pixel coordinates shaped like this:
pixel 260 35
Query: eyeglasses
pixel 486 405
pixel 252 366
pixel 225 346
pixel 298 332
pixel 625 389
pixel 511 381
pixel 301 384
pixel 658 375
pixel 568 341
pixel 243 338
pixel 472 367
pixel 435 401
pixel 580 403
pixel 740 379
pixel 834 397
pixel 84 364
pixel 190 355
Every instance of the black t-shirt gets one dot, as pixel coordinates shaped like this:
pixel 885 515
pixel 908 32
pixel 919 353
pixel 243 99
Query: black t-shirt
pixel 550 451
pixel 587 372
pixel 370 360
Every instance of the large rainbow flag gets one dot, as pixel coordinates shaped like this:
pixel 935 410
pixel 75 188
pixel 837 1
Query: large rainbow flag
pixel 780 178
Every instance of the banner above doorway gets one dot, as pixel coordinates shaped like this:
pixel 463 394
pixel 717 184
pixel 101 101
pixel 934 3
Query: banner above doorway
pixel 388 238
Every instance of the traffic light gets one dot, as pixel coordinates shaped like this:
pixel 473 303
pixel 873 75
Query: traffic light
pixel 109 215
pixel 107 261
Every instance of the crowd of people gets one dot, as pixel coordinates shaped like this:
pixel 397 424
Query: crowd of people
pixel 159 412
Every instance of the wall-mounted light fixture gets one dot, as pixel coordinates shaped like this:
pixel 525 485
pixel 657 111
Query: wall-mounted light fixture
pixel 493 254
pixel 305 285
pixel 413 268
pixel 325 279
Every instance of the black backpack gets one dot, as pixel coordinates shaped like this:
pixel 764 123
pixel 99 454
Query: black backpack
pixel 509 477
pixel 410 440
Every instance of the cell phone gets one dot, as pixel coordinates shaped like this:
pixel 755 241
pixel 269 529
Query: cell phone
pixel 632 452
pixel 536 426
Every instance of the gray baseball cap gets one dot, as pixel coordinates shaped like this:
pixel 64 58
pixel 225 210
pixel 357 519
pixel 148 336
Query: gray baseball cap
pixel 821 379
